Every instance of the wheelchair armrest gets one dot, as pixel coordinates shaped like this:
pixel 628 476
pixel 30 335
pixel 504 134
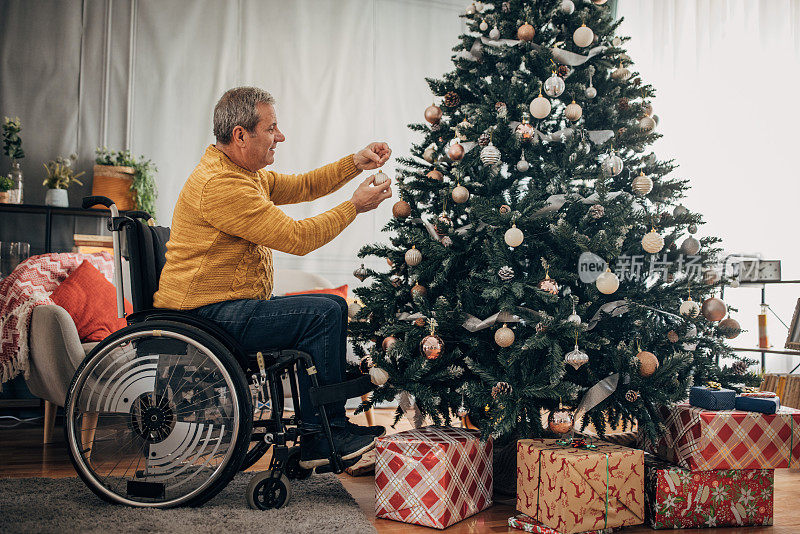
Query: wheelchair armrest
pixel 341 391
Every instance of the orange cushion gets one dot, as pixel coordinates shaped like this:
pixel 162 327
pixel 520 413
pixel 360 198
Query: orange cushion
pixel 91 301
pixel 341 291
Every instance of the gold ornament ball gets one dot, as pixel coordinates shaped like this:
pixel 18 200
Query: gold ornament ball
pixel 573 112
pixel 435 175
pixel 431 346
pixel 429 153
pixel 690 246
pixel 730 327
pixel 433 114
pixel 621 74
pixel 525 130
pixel 713 309
pixel 388 342
pixel 647 124
pixel 514 237
pixel 672 336
pixel 648 363
pixel 401 209
pixel 419 321
pixel 652 242
pixel 504 336
pixel 525 32
pixel 413 257
pixel 642 185
pixel 378 376
pixel 540 107
pixel 418 291
pixel 455 151
pixel 689 308
pixel 460 194
pixel 576 358
pixel 583 36
pixel 560 421
pixel 607 282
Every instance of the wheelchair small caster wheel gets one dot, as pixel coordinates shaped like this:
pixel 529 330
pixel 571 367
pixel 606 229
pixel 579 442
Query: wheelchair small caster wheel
pixel 293 469
pixel 266 493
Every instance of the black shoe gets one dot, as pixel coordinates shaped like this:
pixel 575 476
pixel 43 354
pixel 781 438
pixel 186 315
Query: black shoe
pixel 315 450
pixel 375 431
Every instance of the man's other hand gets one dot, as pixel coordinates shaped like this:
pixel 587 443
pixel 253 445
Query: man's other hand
pixel 372 157
pixel 367 197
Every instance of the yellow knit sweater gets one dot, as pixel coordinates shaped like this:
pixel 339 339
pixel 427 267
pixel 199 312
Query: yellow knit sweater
pixel 226 222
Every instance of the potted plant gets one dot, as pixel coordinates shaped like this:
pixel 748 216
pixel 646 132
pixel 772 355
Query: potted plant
pixel 12 147
pixel 127 180
pixel 60 175
pixel 6 183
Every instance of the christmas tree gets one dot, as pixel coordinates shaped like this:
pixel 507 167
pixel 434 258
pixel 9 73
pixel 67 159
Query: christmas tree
pixel 539 254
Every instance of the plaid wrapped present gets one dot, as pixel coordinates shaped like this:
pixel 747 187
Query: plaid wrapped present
pixel 577 489
pixel 678 498
pixel 432 476
pixel 529 524
pixel 702 440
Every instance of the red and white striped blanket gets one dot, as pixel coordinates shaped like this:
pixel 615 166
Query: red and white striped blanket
pixel 28 286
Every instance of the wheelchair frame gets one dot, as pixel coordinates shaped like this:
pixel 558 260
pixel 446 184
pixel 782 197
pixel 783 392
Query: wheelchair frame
pixel 269 489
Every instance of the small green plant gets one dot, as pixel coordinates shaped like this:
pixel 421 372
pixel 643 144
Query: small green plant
pixel 6 184
pixel 12 142
pixel 144 177
pixel 60 174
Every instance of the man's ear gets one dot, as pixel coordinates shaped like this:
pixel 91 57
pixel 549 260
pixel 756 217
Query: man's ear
pixel 238 136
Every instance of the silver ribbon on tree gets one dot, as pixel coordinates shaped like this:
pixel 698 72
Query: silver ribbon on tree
pixel 564 57
pixel 410 410
pixel 597 137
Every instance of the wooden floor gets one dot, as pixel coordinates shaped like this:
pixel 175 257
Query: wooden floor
pixel 23 455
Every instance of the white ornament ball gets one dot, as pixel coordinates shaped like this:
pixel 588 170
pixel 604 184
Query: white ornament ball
pixel 573 112
pixel 647 124
pixel 574 319
pixel 460 194
pixel 540 107
pixel 679 211
pixel 689 308
pixel 514 236
pixel 690 246
pixel 567 7
pixel 484 26
pixel 378 376
pixel 583 36
pixel 413 257
pixel 616 41
pixel 607 282
pixel 353 309
pixel 652 242
pixel 380 177
pixel 612 165
pixel 642 185
pixel 554 86
pixel 576 358
pixel 590 92
pixel 621 74
pixel 504 336
pixel 490 155
pixel 494 34
pixel 523 165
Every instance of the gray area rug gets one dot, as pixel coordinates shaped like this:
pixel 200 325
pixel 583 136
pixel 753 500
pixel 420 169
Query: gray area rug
pixel 319 504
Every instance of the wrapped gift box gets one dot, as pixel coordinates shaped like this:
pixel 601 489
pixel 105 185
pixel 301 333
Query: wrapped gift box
pixel 432 476
pixel 758 403
pixel 712 399
pixel 702 440
pixel 678 498
pixel 529 524
pixel 577 489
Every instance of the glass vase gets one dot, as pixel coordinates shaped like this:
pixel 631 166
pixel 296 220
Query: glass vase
pixel 15 174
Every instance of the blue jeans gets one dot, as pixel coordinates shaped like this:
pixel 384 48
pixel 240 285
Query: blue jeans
pixel 316 324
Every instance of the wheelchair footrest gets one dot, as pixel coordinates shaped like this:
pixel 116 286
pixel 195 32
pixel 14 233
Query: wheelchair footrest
pixel 341 391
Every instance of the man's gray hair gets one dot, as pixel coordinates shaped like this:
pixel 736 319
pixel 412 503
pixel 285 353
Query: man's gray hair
pixel 237 107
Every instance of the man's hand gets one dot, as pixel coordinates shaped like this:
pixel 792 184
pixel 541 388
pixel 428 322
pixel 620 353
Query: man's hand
pixel 367 197
pixel 372 157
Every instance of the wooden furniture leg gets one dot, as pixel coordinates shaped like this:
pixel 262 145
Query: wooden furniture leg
pixel 368 414
pixel 49 421
pixel 88 426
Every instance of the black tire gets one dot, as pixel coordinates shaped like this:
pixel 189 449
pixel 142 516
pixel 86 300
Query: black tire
pixel 267 493
pixel 242 401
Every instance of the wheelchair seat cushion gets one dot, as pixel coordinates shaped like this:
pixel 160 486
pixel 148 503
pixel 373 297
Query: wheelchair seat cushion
pixel 91 301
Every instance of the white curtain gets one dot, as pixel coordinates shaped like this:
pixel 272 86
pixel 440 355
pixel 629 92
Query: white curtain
pixel 726 73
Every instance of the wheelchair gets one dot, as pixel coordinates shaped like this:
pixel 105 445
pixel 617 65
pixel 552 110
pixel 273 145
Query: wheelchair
pixel 161 413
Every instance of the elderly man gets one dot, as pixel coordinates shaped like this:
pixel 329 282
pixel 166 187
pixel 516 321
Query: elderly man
pixel 219 257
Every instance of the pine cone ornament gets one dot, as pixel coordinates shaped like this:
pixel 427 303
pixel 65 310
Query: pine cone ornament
pixel 484 139
pixel 505 273
pixel 451 99
pixel 501 388
pixel 632 395
pixel 563 71
pixel 739 367
pixel 505 208
pixel 597 211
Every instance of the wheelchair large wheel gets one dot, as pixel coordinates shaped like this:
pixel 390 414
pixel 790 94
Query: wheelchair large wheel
pixel 158 415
